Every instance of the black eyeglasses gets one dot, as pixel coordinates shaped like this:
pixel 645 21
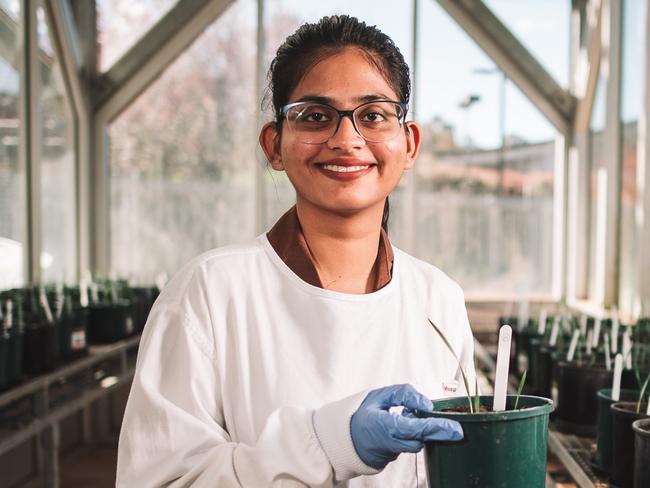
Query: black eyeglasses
pixel 315 123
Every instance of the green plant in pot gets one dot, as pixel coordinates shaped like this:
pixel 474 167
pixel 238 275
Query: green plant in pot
pixel 624 414
pixel 500 449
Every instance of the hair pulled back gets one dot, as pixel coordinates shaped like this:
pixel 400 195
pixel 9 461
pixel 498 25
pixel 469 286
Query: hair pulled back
pixel 312 43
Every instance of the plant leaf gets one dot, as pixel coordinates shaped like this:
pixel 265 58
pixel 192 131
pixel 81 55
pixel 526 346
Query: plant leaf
pixel 462 371
pixel 643 388
pixel 477 397
pixel 520 388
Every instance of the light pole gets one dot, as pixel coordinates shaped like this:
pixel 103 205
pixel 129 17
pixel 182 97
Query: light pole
pixel 502 119
pixel 465 104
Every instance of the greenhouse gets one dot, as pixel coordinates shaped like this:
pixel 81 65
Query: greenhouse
pixel 325 243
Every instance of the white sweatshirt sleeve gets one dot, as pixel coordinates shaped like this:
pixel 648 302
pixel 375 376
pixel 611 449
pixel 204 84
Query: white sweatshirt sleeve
pixel 173 432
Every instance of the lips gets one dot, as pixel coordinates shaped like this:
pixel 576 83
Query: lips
pixel 345 170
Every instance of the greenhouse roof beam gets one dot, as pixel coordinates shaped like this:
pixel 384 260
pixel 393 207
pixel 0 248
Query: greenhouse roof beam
pixel 556 103
pixel 139 66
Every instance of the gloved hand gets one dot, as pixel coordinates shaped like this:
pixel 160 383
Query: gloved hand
pixel 380 436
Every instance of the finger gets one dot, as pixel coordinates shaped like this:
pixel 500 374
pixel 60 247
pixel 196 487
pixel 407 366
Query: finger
pixel 405 445
pixel 426 430
pixel 407 396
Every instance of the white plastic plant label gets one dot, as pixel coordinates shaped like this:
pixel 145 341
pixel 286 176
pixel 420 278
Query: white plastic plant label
pixel 583 325
pixel 618 370
pixel 83 293
pixel 78 340
pixel 129 325
pixel 627 350
pixel 541 324
pixel 46 305
pixel 615 326
pixel 596 336
pixel 555 329
pixel 572 346
pixel 589 341
pixel 608 354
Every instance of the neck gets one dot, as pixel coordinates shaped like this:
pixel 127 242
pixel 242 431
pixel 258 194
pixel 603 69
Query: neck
pixel 344 247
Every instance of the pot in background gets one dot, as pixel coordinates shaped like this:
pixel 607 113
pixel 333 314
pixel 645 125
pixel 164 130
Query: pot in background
pixel 641 453
pixel 623 416
pixel 577 388
pixel 603 458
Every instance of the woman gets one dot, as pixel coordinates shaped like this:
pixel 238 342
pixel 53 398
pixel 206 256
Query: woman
pixel 276 362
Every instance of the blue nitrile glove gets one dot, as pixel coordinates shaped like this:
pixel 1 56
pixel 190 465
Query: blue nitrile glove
pixel 380 436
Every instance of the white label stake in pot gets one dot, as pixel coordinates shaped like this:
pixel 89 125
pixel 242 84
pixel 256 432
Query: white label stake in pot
pixel 554 331
pixel 501 375
pixel 596 336
pixel 608 355
pixel 615 326
pixel 541 324
pixel 572 347
pixel 616 385
pixel 627 350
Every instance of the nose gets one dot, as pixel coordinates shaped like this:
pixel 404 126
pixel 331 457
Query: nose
pixel 346 135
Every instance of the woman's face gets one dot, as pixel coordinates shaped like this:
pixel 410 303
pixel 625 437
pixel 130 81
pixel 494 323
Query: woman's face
pixel 345 80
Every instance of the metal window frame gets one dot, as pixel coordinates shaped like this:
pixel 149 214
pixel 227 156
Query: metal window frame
pixel 30 138
pixel 554 102
pixel 643 176
pixel 122 83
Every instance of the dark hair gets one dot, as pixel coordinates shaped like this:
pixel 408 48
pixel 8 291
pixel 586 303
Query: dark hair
pixel 312 43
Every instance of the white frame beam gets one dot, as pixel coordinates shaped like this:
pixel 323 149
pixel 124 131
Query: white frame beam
pixel 127 79
pixel 478 21
pixel 66 45
pixel 611 71
pixel 30 137
pixel 643 178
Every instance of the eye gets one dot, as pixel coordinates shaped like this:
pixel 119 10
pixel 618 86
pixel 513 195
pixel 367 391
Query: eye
pixel 314 114
pixel 373 117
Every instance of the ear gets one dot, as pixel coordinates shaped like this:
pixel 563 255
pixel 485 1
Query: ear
pixel 413 141
pixel 270 144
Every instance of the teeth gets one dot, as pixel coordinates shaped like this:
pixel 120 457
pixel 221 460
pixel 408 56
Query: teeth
pixel 344 169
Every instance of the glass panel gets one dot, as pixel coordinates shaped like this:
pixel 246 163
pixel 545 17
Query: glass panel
pixel 120 23
pixel 284 17
pixel 597 192
pixel 542 26
pixel 182 155
pixel 58 182
pixel 485 172
pixel 631 91
pixel 12 175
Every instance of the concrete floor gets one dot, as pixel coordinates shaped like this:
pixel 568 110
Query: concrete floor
pixel 88 467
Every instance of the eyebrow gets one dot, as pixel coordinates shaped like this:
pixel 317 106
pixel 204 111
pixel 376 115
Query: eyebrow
pixel 330 101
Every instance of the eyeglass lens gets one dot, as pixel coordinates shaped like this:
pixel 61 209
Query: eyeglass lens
pixel 315 123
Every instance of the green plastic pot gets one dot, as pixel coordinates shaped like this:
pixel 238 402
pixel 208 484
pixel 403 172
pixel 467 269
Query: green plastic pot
pixel 603 459
pixel 499 449
pixel 641 453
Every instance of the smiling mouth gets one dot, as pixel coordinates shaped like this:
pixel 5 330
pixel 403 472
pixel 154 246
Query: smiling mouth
pixel 345 169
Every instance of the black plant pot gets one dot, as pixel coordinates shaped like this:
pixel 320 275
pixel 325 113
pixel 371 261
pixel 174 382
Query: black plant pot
pixel 4 361
pixel 577 388
pixel 603 458
pixel 40 348
pixel 623 416
pixel 110 322
pixel 641 453
pixel 539 380
pixel 142 299
pixel 72 335
pixel 15 358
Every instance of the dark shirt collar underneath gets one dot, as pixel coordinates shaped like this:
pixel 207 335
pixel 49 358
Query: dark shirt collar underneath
pixel 289 243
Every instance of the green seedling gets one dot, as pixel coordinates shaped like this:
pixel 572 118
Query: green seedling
pixel 462 371
pixel 643 389
pixel 520 388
